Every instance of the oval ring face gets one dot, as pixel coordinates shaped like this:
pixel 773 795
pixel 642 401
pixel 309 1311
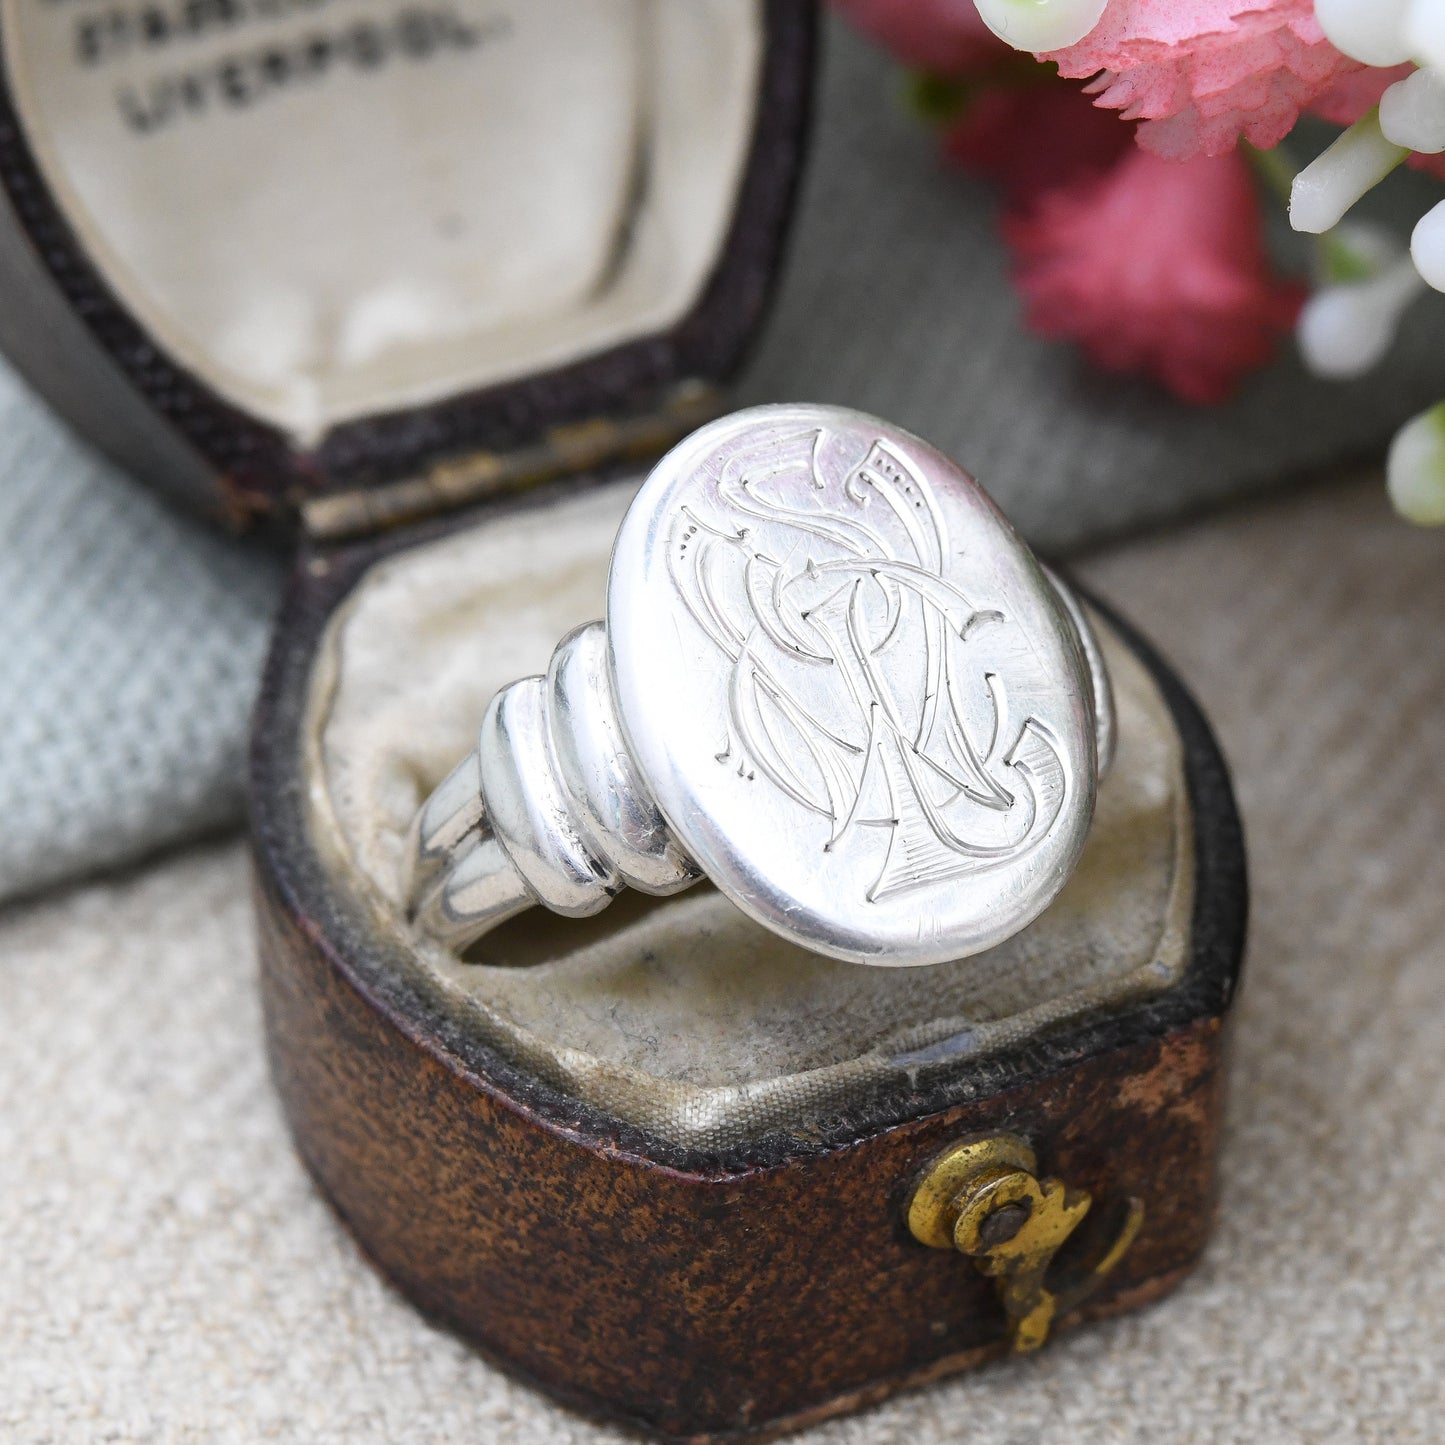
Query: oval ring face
pixel 853 693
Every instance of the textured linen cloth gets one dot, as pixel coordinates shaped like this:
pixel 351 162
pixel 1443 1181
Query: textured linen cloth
pixel 130 640
pixel 169 1274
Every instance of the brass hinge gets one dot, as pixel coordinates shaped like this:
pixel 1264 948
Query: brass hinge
pixel 985 1199
pixel 575 448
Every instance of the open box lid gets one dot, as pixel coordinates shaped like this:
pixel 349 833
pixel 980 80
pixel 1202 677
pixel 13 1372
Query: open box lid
pixel 287 260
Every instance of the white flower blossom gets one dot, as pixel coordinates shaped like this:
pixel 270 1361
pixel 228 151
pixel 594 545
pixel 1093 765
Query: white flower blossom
pixel 1425 32
pixel 1347 326
pixel 1427 246
pixel 1410 117
pixel 1372 31
pixel 1415 468
pixel 1039 25
pixel 1358 160
pixel 1385 32
pixel 1412 112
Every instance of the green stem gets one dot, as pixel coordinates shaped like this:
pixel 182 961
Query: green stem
pixel 1337 262
pixel 1274 167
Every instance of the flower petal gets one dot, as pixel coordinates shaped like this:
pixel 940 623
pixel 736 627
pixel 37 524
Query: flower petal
pixel 1157 267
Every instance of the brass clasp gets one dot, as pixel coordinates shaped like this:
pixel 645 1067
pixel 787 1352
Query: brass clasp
pixel 985 1199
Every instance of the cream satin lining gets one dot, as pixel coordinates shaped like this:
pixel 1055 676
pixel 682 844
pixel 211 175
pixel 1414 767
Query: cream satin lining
pixel 456 193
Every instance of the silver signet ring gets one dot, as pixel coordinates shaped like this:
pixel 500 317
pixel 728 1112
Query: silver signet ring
pixel 831 679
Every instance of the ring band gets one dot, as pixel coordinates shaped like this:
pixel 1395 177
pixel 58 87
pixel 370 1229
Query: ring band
pixel 831 679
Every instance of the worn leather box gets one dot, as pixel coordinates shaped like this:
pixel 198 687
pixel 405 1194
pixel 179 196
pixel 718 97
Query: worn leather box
pixel 423 290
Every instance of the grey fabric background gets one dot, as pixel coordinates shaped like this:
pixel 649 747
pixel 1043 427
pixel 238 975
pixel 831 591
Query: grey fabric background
pixel 130 638
pixel 130 643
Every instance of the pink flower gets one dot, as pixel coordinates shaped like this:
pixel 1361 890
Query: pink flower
pixel 1202 73
pixel 1355 92
pixel 944 37
pixel 1156 267
pixel 1029 139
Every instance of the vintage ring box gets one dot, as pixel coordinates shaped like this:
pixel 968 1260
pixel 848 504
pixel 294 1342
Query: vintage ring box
pixel 429 290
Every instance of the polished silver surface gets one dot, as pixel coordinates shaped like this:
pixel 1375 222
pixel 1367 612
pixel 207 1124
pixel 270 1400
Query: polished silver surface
pixel 548 808
pixel 831 679
pixel 1101 690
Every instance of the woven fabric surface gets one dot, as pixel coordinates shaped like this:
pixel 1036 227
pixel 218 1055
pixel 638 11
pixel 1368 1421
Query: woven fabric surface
pixel 130 643
pixel 130 640
pixel 170 1275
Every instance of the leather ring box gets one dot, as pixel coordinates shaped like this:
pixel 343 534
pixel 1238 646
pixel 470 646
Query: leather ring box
pixel 493 259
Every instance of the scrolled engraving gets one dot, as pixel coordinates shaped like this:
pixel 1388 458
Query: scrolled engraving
pixel 854 684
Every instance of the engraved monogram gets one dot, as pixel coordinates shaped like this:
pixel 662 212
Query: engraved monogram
pixel 861 685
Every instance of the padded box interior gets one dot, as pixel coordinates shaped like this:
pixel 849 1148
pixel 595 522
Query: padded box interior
pixel 682 1015
pixel 330 208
